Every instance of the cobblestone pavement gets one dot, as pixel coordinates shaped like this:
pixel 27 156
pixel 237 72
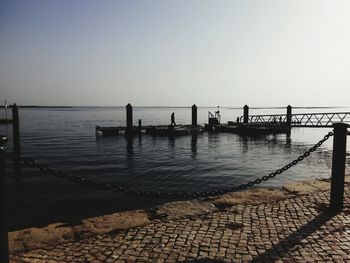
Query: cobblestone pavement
pixel 298 229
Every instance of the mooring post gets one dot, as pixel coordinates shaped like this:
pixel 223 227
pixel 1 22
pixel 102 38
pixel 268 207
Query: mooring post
pixel 140 126
pixel 4 248
pixel 338 166
pixel 16 137
pixel 289 116
pixel 129 128
pixel 194 115
pixel 245 114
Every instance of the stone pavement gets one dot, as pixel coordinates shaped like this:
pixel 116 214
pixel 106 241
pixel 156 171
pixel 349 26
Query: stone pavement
pixel 296 229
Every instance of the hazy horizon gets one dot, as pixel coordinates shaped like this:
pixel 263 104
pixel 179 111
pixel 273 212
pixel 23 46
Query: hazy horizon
pixel 174 106
pixel 71 53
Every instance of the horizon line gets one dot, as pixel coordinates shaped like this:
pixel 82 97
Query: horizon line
pixel 162 106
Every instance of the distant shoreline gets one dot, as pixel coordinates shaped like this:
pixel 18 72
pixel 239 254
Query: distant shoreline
pixel 171 107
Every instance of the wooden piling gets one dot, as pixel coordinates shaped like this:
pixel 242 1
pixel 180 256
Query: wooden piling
pixel 245 114
pixel 289 116
pixel 140 126
pixel 4 247
pixel 338 166
pixel 129 126
pixel 194 115
pixel 16 134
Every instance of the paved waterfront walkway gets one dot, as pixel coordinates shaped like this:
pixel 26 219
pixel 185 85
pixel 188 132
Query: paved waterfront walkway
pixel 297 229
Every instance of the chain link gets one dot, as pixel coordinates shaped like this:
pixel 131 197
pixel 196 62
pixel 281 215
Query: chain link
pixel 185 195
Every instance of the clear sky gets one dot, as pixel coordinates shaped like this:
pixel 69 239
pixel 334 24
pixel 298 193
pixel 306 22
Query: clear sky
pixel 260 53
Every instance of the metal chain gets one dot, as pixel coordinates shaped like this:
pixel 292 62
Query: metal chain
pixel 186 195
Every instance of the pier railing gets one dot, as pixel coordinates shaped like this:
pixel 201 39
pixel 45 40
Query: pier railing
pixel 321 120
pixel 214 119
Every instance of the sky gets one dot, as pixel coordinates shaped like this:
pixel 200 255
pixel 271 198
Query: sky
pixel 175 53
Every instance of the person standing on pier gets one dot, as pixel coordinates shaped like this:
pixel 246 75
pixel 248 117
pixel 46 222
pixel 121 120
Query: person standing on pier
pixel 173 119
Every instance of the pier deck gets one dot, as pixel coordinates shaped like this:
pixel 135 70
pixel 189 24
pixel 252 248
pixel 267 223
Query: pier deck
pixel 151 129
pixel 240 128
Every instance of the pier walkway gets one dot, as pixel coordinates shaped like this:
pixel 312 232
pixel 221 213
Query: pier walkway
pixel 296 228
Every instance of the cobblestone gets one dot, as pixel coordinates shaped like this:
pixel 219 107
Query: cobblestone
pixel 297 229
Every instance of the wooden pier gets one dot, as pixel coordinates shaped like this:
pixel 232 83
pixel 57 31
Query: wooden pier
pixel 160 130
pixel 245 125
pixel 214 124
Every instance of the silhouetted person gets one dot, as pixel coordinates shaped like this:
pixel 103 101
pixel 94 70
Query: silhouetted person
pixel 173 119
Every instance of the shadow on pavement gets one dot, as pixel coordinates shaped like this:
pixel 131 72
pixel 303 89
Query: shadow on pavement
pixel 285 245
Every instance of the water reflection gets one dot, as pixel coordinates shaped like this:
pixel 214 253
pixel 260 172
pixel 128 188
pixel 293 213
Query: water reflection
pixel 140 140
pixel 129 147
pixel 288 141
pixel 213 139
pixel 194 141
pixel 171 142
pixel 272 143
pixel 130 151
pixel 211 161
pixel 243 140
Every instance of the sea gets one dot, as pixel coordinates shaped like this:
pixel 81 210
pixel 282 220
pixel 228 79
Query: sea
pixel 64 137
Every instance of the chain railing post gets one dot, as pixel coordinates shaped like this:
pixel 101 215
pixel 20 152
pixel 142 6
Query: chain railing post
pixel 4 249
pixel 338 166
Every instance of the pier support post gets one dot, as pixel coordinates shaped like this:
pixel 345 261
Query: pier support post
pixel 129 128
pixel 338 166
pixel 4 248
pixel 140 126
pixel 194 115
pixel 245 114
pixel 16 136
pixel 289 116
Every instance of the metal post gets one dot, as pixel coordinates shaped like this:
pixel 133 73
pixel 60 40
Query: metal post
pixel 4 248
pixel 245 114
pixel 194 115
pixel 129 128
pixel 289 116
pixel 338 166
pixel 16 137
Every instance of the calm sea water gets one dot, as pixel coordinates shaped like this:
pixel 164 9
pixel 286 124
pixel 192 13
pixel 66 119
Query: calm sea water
pixel 65 138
